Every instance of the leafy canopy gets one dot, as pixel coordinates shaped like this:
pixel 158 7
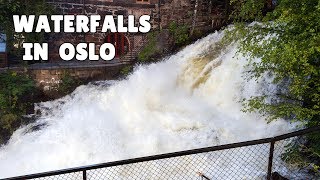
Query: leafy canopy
pixel 8 8
pixel 287 40
pixel 15 90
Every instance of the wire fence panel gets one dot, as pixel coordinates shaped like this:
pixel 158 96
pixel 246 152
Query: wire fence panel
pixel 240 163
pixel 213 165
pixel 69 176
pixel 287 159
pixel 277 158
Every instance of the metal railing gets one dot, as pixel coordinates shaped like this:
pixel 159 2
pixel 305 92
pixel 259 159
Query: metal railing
pixel 257 159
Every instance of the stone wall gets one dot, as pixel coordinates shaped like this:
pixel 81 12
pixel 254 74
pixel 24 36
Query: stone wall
pixel 48 78
pixel 200 16
pixel 204 15
pixel 101 7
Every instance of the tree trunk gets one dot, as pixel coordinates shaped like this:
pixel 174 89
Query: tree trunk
pixel 194 21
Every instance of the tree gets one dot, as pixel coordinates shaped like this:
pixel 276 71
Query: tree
pixel 287 40
pixel 8 8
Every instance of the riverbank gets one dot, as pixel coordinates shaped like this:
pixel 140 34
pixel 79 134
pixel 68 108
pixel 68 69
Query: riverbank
pixel 46 82
pixel 48 76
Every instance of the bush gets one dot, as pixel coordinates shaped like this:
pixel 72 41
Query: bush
pixel 15 90
pixel 125 71
pixel 180 34
pixel 150 50
pixel 68 84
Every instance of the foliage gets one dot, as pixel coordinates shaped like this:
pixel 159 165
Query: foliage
pixel 287 40
pixel 68 84
pixel 7 121
pixel 245 10
pixel 8 8
pixel 14 90
pixel 179 33
pixel 301 156
pixel 125 71
pixel 150 50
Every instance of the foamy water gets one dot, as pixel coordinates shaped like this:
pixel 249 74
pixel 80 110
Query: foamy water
pixel 191 100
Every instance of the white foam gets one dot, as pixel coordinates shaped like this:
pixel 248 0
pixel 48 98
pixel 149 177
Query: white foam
pixel 156 110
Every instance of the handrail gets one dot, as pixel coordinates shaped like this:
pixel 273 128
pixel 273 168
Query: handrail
pixel 169 155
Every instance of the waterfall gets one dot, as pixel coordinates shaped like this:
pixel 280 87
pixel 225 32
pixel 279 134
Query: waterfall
pixel 189 100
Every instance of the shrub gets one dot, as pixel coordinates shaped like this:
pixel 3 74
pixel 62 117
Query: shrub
pixel 125 71
pixel 68 84
pixel 150 50
pixel 15 90
pixel 180 34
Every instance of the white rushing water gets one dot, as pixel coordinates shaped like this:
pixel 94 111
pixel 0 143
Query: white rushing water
pixel 191 100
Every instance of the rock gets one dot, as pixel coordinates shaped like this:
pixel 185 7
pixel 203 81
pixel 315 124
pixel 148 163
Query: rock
pixel 277 176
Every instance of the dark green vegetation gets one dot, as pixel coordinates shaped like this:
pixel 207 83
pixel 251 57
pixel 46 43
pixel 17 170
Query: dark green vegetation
pixel 68 84
pixel 18 94
pixel 176 35
pixel 179 34
pixel 125 71
pixel 291 53
pixel 21 7
pixel 15 92
pixel 150 51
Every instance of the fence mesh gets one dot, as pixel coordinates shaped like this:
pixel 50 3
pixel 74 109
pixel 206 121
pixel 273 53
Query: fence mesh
pixel 238 163
pixel 71 176
pixel 234 162
pixel 288 161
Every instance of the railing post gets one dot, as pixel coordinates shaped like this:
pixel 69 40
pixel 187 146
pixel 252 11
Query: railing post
pixel 203 176
pixel 270 160
pixel 84 175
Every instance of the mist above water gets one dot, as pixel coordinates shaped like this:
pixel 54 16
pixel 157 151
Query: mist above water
pixel 190 100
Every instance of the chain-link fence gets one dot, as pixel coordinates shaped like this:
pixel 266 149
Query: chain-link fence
pixel 271 158
pixel 288 157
